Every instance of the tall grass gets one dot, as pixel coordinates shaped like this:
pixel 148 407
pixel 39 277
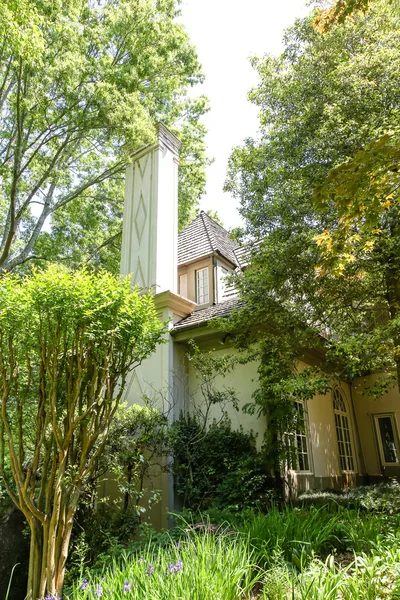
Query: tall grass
pixel 204 567
pixel 296 535
pixel 293 554
pixel 371 577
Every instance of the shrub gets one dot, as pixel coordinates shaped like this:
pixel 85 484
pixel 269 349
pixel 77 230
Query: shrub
pixel 382 497
pixel 134 454
pixel 217 466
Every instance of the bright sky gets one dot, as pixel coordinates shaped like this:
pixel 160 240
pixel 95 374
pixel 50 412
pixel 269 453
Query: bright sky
pixel 226 33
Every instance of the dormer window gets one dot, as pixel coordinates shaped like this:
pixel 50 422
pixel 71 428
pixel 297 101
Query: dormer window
pixel 202 293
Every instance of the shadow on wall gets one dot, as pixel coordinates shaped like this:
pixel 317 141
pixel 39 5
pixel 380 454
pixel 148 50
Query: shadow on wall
pixel 14 548
pixel 325 471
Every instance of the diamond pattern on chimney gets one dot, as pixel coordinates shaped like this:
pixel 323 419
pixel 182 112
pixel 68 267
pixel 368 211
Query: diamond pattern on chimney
pixel 140 218
pixel 142 165
pixel 139 277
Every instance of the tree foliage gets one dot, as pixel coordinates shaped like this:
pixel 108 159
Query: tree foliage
pixel 82 85
pixel 321 176
pixel 67 344
pixel 137 448
pixel 337 12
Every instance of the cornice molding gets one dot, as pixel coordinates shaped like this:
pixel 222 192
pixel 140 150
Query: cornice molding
pixel 177 304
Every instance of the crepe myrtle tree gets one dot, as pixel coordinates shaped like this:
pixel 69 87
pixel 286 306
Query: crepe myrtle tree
pixel 68 341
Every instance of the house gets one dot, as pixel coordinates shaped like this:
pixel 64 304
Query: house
pixel 348 439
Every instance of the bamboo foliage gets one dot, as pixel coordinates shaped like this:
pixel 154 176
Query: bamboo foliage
pixel 67 344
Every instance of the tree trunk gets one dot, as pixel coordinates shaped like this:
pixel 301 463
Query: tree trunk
pixel 49 547
pixel 393 298
pixel 35 560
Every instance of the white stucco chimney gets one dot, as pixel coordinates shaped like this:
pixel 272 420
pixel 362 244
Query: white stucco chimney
pixel 150 223
pixel 150 255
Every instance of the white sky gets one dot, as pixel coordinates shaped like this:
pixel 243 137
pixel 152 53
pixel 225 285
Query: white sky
pixel 226 33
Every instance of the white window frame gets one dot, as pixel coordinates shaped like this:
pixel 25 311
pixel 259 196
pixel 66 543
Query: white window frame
pixel 304 437
pixel 200 286
pixel 343 416
pixel 391 416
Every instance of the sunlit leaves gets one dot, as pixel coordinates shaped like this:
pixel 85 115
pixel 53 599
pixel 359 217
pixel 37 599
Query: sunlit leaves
pixel 364 193
pixel 318 192
pixel 338 12
pixel 82 85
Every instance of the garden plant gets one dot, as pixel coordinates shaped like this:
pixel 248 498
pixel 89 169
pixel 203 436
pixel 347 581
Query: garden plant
pixel 68 341
pixel 332 551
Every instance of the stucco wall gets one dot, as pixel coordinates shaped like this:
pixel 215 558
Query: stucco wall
pixel 325 465
pixel 365 409
pixel 189 271
pixel 244 381
pixel 325 471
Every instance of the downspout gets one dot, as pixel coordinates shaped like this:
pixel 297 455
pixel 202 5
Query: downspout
pixel 215 279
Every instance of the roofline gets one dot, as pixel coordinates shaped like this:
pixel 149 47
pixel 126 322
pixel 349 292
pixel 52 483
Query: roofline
pixel 199 330
pixel 190 262
pixel 214 253
pixel 205 323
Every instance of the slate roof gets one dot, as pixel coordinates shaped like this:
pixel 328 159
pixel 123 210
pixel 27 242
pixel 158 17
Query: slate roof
pixel 204 315
pixel 204 236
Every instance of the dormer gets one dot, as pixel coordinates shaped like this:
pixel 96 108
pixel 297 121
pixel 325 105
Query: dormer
pixel 206 256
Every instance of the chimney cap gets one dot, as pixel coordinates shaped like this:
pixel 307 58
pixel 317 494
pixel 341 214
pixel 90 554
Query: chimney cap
pixel 164 139
pixel 165 136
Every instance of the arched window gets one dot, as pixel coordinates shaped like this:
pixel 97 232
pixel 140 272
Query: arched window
pixel 342 423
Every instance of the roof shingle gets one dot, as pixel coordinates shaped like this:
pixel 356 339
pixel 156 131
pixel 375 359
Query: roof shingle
pixel 204 236
pixel 204 315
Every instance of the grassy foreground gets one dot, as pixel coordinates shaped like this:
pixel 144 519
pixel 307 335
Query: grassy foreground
pixel 295 554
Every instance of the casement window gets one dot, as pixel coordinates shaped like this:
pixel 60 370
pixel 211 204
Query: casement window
pixel 202 287
pixel 299 441
pixel 388 442
pixel 343 432
pixel 302 446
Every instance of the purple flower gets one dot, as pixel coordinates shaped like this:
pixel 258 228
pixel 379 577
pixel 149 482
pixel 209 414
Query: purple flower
pixel 83 585
pixel 127 587
pixel 175 568
pixel 99 591
pixel 150 570
pixel 141 559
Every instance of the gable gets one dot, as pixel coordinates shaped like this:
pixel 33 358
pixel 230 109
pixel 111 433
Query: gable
pixel 202 237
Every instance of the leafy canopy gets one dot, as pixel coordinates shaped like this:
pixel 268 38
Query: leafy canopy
pixel 81 86
pixel 325 100
pixel 337 12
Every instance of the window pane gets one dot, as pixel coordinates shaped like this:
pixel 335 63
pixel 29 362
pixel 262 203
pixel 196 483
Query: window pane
pixel 300 441
pixel 343 432
pixel 202 286
pixel 387 437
